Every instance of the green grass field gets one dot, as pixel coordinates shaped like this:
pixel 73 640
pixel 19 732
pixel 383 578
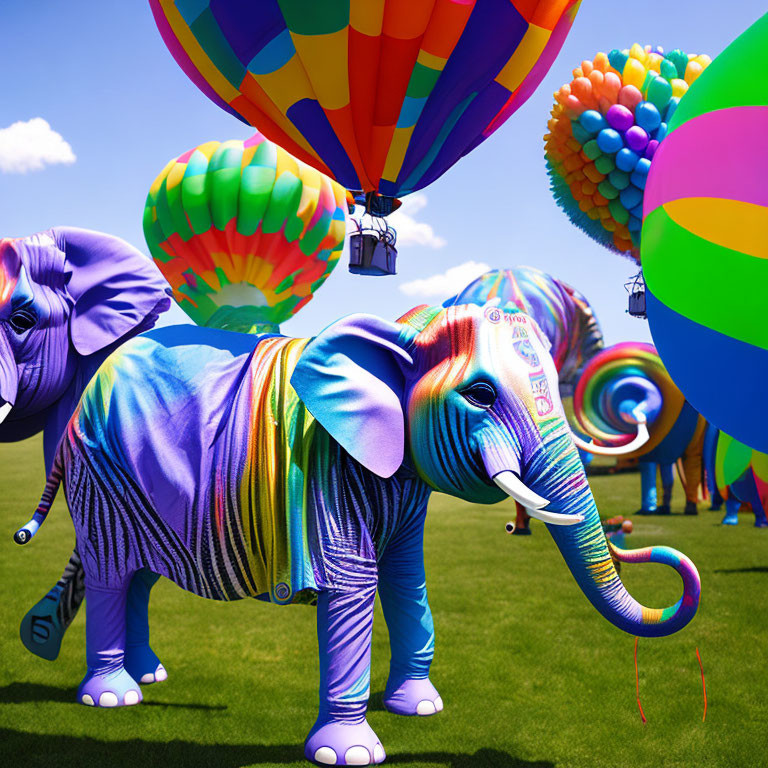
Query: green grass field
pixel 531 675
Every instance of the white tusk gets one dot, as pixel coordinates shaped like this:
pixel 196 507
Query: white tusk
pixel 5 409
pixel 513 486
pixel 640 439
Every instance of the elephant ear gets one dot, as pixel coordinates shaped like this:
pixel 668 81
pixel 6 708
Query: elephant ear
pixel 115 287
pixel 352 379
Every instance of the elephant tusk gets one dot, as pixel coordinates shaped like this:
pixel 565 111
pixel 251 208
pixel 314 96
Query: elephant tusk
pixel 5 409
pixel 640 439
pixel 513 486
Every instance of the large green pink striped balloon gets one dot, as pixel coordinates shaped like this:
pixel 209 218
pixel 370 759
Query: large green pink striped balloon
pixel 705 241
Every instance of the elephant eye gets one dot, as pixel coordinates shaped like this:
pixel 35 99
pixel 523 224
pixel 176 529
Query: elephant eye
pixel 22 320
pixel 480 394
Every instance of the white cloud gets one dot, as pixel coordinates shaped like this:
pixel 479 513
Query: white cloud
pixel 31 145
pixel 410 231
pixel 446 283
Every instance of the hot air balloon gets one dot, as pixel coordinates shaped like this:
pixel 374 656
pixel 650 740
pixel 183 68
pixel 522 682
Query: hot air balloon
pixel 605 127
pixel 244 233
pixel 704 241
pixel 382 95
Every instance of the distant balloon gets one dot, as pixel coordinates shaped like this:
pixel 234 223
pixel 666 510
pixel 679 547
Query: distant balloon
pixel 705 248
pixel 382 95
pixel 605 127
pixel 244 233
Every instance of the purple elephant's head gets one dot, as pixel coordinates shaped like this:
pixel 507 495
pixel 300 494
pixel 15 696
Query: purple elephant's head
pixel 65 294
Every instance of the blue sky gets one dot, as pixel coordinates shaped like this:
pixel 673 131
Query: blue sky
pixel 100 75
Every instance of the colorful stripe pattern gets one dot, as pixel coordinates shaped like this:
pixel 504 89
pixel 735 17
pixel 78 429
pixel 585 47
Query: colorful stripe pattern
pixel 740 476
pixel 619 381
pixel 706 213
pixel 382 95
pixel 604 130
pixel 561 312
pixel 244 233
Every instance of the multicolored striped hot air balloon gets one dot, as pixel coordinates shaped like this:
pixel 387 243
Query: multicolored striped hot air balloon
pixel 244 233
pixel 382 95
pixel 704 242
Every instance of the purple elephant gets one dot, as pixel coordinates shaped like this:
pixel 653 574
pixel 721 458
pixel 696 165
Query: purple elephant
pixel 68 298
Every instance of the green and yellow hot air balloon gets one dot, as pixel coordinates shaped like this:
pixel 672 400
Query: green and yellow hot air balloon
pixel 244 232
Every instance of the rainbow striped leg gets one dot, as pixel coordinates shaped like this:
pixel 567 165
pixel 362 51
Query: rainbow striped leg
pixel 403 594
pixel 341 735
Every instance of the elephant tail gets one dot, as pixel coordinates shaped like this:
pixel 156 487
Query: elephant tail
pixel 26 532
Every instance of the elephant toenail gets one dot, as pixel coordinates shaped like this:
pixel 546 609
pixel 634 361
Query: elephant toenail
pixel 425 707
pixel 108 699
pixel 326 756
pixel 357 756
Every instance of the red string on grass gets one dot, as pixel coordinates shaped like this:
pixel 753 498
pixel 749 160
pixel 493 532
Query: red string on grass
pixel 703 685
pixel 637 685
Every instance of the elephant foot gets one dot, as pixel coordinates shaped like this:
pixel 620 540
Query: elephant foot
pixel 412 697
pixel 340 743
pixel 730 519
pixel 142 664
pixel 645 512
pixel 663 509
pixel 114 689
pixel 40 631
pixel 690 508
pixel 761 523
pixel 521 532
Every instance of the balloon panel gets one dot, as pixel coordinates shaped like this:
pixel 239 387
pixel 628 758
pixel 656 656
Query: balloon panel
pixel 382 95
pixel 605 128
pixel 704 252
pixel 244 233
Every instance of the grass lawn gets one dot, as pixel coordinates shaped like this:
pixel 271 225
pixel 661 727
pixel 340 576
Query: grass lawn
pixel 531 675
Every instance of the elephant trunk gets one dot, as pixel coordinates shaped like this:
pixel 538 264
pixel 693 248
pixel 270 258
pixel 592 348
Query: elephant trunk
pixel 562 481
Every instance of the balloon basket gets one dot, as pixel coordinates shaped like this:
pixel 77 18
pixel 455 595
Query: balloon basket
pixel 372 251
pixel 636 290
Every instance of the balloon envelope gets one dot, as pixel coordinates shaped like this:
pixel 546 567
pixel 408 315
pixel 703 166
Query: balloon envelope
pixel 704 252
pixel 244 233
pixel 382 95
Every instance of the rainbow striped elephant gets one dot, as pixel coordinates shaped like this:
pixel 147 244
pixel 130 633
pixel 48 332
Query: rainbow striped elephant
pixel 299 470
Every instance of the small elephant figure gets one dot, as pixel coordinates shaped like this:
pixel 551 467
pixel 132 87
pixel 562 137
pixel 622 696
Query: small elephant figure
pixel 299 470
pixel 68 298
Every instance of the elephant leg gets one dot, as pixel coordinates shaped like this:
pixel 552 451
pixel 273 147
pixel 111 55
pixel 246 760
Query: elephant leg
pixel 106 683
pixel 403 594
pixel 732 506
pixel 647 487
pixel 43 627
pixel 141 663
pixel 667 473
pixel 341 735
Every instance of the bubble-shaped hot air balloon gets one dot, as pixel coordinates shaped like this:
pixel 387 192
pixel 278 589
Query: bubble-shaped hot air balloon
pixel 624 388
pixel 244 233
pixel 705 247
pixel 382 95
pixel 604 129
